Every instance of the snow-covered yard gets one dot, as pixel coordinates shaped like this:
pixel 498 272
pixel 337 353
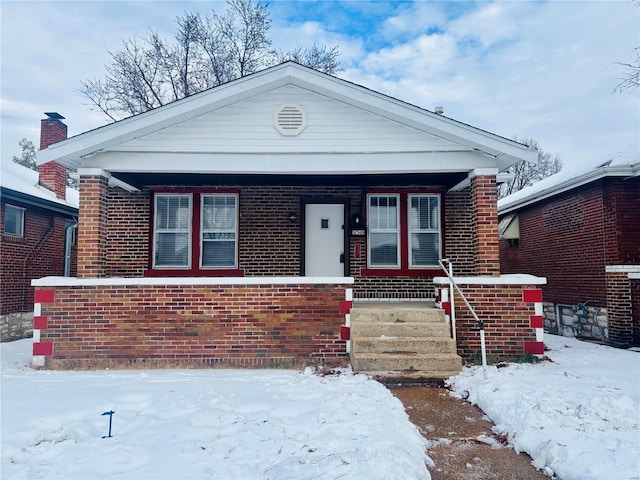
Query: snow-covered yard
pixel 577 416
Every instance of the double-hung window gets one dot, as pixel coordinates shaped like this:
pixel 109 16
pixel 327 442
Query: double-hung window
pixel 13 221
pixel 195 231
pixel 384 231
pixel 404 233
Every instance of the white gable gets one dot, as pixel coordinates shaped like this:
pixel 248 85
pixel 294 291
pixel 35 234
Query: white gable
pixel 230 129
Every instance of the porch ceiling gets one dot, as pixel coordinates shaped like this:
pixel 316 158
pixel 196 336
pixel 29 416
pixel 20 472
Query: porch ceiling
pixel 140 180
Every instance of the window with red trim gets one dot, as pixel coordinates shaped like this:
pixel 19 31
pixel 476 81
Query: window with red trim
pixel 195 231
pixel 404 231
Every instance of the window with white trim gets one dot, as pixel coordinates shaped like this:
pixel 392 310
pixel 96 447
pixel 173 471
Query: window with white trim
pixel 13 220
pixel 384 233
pixel 424 230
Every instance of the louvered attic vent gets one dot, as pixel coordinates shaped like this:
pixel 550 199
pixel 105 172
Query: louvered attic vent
pixel 290 120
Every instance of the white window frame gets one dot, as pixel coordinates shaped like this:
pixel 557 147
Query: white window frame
pixel 20 211
pixel 189 231
pixel 235 231
pixel 371 230
pixel 411 230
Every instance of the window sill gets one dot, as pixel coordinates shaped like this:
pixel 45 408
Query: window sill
pixel 194 273
pixel 401 272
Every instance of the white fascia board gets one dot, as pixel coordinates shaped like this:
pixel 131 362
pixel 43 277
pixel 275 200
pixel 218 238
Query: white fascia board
pixel 591 176
pixel 290 163
pixel 508 279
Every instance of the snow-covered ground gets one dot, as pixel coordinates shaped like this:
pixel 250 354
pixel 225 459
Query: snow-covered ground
pixel 198 424
pixel 578 416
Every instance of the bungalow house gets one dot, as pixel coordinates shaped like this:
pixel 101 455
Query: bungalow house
pixel 38 214
pixel 581 230
pixel 238 226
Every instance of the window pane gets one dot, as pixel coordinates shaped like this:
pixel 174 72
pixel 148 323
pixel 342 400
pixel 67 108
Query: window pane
pixel 384 249
pixel 219 254
pixel 13 220
pixel 424 213
pixel 383 212
pixel 219 212
pixel 172 249
pixel 424 249
pixel 173 212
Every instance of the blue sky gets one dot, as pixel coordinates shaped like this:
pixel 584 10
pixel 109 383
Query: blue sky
pixel 545 70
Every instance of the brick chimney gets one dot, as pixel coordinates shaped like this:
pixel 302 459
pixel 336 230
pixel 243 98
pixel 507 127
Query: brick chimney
pixel 52 175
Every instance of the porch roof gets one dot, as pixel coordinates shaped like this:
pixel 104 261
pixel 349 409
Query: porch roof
pixel 448 145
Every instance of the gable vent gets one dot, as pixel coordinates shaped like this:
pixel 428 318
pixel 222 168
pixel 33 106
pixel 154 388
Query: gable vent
pixel 290 120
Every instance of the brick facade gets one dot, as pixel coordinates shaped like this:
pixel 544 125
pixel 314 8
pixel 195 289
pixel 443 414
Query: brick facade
pixel 484 225
pixel 39 253
pixel 115 232
pixel 256 324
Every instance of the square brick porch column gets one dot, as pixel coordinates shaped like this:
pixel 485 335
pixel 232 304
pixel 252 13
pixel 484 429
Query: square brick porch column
pixel 484 212
pixel 92 222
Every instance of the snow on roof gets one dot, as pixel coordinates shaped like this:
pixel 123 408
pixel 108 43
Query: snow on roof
pixel 571 176
pixel 24 180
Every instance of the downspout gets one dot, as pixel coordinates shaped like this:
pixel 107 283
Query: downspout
pixel 68 238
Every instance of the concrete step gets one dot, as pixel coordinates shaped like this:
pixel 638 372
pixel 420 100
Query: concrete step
pixel 403 314
pixel 442 363
pixel 386 344
pixel 400 329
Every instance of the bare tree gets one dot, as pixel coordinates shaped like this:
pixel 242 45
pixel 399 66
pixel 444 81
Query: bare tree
pixel 526 174
pixel 150 71
pixel 631 80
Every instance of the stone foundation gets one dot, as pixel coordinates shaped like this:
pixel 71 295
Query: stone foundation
pixel 14 326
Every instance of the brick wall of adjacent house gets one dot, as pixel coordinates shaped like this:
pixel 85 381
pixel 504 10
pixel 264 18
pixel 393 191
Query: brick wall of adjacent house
pixel 507 329
pixel 635 310
pixel 269 242
pixel 563 240
pixel 39 253
pixel 177 325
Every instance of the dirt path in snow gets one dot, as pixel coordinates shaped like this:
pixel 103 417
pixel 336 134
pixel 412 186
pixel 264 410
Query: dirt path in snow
pixel 463 447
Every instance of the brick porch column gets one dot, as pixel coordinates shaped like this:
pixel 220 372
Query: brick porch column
pixel 484 211
pixel 92 223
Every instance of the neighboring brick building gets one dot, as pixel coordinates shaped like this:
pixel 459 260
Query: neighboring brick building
pixel 581 230
pixel 38 214
pixel 263 205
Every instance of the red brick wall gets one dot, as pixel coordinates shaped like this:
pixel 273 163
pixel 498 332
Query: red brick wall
pixel 54 177
pixel 38 254
pixel 245 325
pixel 269 243
pixel 635 310
pixel 619 308
pixel 506 329
pixel 563 240
pixel 622 204
pixel 484 225
pixel 93 228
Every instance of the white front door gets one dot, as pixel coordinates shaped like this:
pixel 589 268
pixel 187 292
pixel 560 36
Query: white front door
pixel 324 240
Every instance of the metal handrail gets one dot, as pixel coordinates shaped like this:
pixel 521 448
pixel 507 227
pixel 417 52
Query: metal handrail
pixel 483 350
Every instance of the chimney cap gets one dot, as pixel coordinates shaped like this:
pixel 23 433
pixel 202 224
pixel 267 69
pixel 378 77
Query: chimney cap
pixel 54 115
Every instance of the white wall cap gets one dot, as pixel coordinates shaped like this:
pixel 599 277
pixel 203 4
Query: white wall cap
pixel 510 279
pixel 121 281
pixel 621 268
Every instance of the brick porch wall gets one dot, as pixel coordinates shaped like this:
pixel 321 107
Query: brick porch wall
pixel 619 303
pixel 512 330
pixel 192 322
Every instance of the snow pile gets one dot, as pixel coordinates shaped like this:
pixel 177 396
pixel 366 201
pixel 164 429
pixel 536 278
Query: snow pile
pixel 577 416
pixel 173 424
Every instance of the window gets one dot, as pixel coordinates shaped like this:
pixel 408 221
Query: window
pixel 172 236
pixel 13 220
pixel 404 233
pixel 195 231
pixel 218 239
pixel 424 230
pixel 383 231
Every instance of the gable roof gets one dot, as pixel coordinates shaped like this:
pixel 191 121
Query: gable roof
pixel 566 180
pixel 71 152
pixel 21 184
